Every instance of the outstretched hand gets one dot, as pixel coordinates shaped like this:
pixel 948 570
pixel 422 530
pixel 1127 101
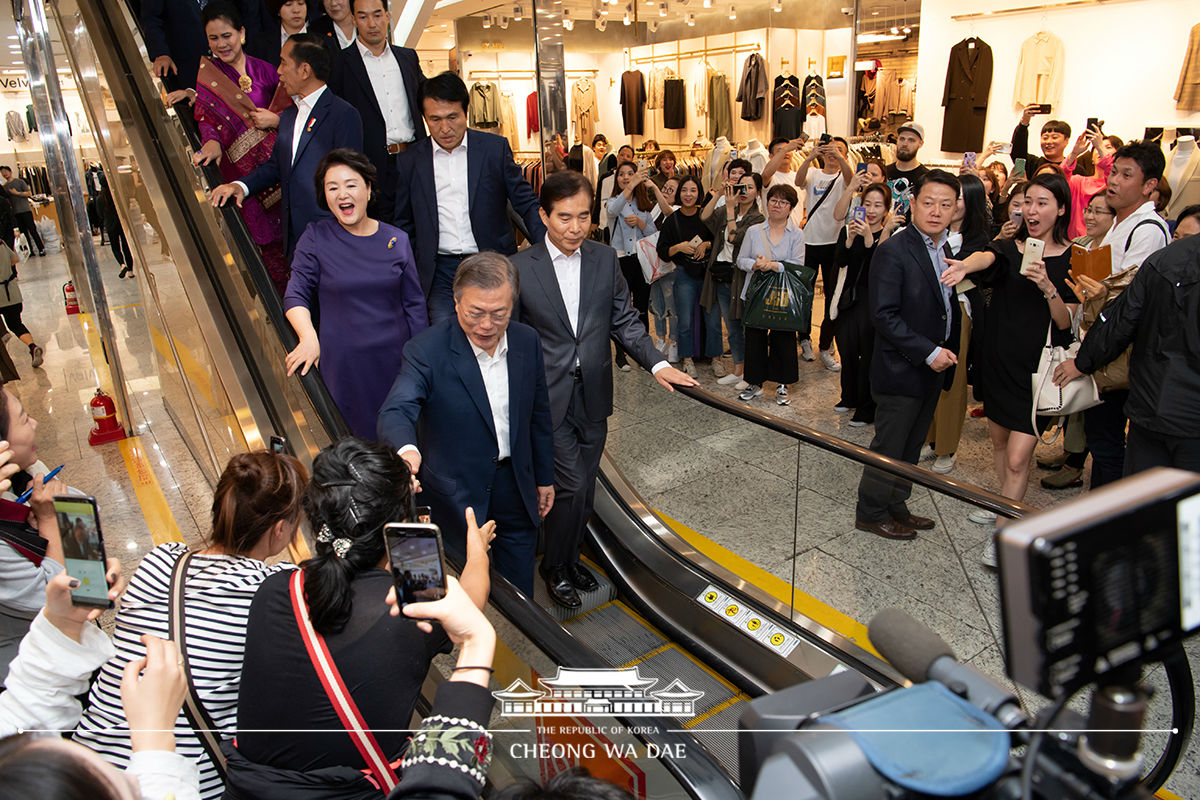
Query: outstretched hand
pixel 669 378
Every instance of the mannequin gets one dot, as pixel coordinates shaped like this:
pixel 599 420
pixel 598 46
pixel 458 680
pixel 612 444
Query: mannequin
pixel 756 154
pixel 1183 173
pixel 716 160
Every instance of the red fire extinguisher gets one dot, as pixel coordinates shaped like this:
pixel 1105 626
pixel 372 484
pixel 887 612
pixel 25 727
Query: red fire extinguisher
pixel 70 299
pixel 104 414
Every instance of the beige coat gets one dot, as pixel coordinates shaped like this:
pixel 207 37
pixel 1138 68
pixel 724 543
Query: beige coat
pixel 1040 70
pixel 1187 93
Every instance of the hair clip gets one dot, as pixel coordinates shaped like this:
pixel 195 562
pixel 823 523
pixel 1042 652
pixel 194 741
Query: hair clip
pixel 341 547
pixel 324 534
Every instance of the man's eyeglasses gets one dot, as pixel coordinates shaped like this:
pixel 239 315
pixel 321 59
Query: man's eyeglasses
pixel 498 317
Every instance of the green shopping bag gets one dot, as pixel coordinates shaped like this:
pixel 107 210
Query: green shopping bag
pixel 781 301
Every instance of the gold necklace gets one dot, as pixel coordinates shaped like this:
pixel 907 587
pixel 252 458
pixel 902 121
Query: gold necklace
pixel 245 84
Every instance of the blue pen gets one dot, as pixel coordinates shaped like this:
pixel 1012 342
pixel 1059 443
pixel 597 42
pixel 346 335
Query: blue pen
pixel 29 492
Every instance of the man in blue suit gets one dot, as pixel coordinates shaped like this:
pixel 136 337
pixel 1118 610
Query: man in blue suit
pixel 381 80
pixel 470 413
pixel 453 190
pixel 916 318
pixel 317 121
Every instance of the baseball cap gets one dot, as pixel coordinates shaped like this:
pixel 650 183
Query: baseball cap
pixel 916 128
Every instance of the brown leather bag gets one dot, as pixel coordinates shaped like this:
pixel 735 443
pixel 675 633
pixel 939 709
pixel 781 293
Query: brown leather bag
pixel 1115 374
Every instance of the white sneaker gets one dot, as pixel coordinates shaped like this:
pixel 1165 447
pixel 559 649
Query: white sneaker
pixel 741 384
pixel 840 409
pixel 781 396
pixel 858 423
pixel 806 350
pixel 943 465
pixel 718 368
pixel 987 556
pixel 689 367
pixel 829 361
pixel 673 353
pixel 927 453
pixel 729 379
pixel 749 393
pixel 981 517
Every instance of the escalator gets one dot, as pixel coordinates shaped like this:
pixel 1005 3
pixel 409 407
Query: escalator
pixel 698 610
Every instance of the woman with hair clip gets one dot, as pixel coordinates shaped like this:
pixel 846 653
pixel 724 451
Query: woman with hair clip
pixel 357 488
pixel 970 231
pixel 1026 307
pixel 255 515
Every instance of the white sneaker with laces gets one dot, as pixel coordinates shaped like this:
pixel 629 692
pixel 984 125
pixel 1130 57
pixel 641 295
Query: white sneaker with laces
pixel 858 423
pixel 927 453
pixel 741 384
pixel 749 393
pixel 987 556
pixel 829 361
pixel 689 367
pixel 781 396
pixel 981 517
pixel 806 350
pixel 729 379
pixel 840 409
pixel 718 368
pixel 943 465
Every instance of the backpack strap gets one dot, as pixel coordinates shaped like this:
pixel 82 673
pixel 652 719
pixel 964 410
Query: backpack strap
pixel 1156 223
pixel 197 715
pixel 381 771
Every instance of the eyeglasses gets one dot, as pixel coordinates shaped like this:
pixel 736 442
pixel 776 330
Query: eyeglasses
pixel 498 317
pixel 778 201
pixel 1090 210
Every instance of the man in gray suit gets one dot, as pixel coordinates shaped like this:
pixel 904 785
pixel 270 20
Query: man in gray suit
pixel 573 294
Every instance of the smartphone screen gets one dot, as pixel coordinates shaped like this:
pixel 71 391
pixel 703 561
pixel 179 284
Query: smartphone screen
pixel 861 167
pixel 860 214
pixel 83 549
pixel 416 561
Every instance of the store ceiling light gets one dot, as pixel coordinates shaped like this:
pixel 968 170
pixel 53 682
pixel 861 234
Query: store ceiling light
pixel 871 38
pixel 732 12
pixel 906 29
pixel 503 22
pixel 662 9
pixel 627 20
pixel 487 21
pixel 518 13
pixel 777 5
pixel 691 18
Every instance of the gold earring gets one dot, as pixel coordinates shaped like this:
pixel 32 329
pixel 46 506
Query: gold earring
pixel 243 40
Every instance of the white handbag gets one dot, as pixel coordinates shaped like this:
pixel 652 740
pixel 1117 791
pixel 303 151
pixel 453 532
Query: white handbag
pixel 1051 400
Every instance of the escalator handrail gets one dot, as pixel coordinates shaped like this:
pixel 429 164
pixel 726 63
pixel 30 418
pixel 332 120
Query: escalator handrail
pixel 960 490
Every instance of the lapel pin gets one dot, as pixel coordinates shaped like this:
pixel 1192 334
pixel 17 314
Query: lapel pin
pixel 391 243
pixel 311 121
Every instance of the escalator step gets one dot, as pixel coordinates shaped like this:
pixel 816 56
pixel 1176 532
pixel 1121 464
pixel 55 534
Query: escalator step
pixel 722 745
pixel 672 664
pixel 616 636
pixel 591 600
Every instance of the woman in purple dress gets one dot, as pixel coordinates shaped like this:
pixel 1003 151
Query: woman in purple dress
pixel 238 99
pixel 362 274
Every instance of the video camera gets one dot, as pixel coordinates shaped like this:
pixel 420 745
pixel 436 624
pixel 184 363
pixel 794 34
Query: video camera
pixel 1090 592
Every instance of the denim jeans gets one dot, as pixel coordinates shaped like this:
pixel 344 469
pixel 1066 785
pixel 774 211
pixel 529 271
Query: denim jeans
pixel 662 303
pixel 687 295
pixel 737 334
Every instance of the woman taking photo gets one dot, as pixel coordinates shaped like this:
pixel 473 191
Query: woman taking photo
pixel 631 214
pixel 970 232
pixel 723 282
pixel 363 274
pixel 357 487
pixel 855 330
pixel 255 515
pixel 238 99
pixel 677 243
pixel 771 355
pixel 1024 309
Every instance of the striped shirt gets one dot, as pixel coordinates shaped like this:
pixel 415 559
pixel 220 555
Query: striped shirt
pixel 218 591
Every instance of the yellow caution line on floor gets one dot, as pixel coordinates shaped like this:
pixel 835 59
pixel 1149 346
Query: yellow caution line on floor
pixel 778 588
pixel 1165 795
pixel 146 487
pixel 192 370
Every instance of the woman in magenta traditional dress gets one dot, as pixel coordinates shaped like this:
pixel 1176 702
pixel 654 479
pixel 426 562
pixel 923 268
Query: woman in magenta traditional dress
pixel 238 99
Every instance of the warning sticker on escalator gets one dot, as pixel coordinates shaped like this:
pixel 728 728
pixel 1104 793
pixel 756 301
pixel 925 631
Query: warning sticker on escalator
pixel 747 620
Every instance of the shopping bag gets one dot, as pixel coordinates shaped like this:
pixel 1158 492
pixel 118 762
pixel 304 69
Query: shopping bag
pixel 781 301
pixel 653 267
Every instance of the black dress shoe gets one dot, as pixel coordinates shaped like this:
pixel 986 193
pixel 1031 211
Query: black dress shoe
pixel 915 522
pixel 888 529
pixel 581 579
pixel 558 584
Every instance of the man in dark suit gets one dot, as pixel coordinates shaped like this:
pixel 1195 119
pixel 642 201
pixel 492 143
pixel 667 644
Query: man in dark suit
pixel 381 81
pixel 453 190
pixel 470 414
pixel 915 318
pixel 318 121
pixel 575 297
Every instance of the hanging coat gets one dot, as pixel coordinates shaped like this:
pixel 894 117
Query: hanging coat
pixel 968 81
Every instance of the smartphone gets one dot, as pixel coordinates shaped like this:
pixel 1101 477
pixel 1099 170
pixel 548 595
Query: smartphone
pixel 1094 122
pixel 83 549
pixel 1033 252
pixel 424 514
pixel 861 167
pixel 1003 147
pixel 278 444
pixel 416 560
pixel 739 189
pixel 1018 167
pixel 826 138
pixel 1042 108
pixel 968 161
pixel 642 163
pixel 733 154
pixel 1016 214
pixel 859 214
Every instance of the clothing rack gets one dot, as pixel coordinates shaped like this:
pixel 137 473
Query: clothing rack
pixel 1041 9
pixel 713 51
pixel 527 73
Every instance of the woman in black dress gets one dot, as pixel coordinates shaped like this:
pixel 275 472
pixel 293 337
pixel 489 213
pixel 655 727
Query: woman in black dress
pixel 1024 307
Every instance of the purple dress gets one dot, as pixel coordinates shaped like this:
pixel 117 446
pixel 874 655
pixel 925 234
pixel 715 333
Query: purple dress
pixel 371 305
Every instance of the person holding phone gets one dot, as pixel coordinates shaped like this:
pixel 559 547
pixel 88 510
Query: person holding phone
pixel 357 488
pixel 256 514
pixel 1027 301
pixel 1055 136
pixel 1102 149
pixel 686 240
pixel 631 214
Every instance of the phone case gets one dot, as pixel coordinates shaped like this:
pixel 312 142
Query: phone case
pixel 1034 248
